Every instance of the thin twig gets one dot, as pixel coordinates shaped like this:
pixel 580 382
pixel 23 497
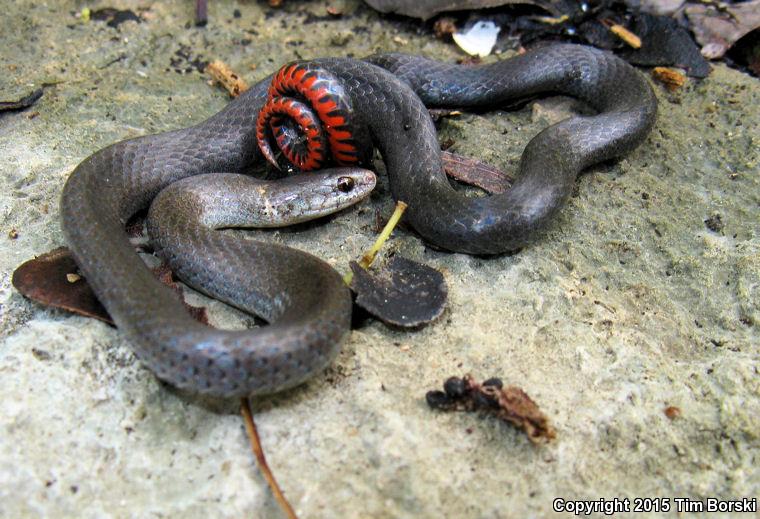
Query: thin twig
pixel 258 452
pixel 201 12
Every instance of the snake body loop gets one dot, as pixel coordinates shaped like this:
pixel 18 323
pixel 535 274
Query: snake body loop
pixel 390 92
pixel 385 96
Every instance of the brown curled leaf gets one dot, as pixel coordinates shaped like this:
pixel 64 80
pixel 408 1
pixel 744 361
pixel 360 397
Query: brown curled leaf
pixel 510 404
pixel 53 279
pixel 406 293
pixel 222 74
pixel 717 27
pixel 474 172
pixel 45 280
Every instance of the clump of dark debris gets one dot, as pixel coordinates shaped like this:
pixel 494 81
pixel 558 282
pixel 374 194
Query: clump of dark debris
pixel 715 223
pixel 185 61
pixel 510 404
pixel 652 33
pixel 115 17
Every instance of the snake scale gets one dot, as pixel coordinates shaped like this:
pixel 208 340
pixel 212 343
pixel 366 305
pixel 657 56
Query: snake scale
pixel 385 98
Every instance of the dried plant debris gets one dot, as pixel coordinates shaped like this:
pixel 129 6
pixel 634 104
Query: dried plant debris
pixel 624 34
pixel 665 43
pixel 114 17
pixel 476 173
pixel 201 13
pixel 185 61
pixel 23 103
pixel 746 52
pixel 641 37
pixel 672 79
pixel 717 27
pixel 437 114
pixel 644 32
pixel 428 8
pixel 222 74
pixel 53 279
pixel 405 293
pixel 444 28
pixel 715 223
pixel 661 7
pixel 510 404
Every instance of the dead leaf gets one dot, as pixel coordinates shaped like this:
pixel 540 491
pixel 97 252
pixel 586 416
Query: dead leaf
pixel 428 8
pixel 45 279
pixel 53 279
pixel 406 293
pixel 717 29
pixel 665 43
pixel 474 172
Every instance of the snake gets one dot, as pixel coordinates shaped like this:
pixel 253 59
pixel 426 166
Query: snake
pixel 380 103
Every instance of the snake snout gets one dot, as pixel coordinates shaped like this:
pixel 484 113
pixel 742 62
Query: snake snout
pixel 357 180
pixel 308 116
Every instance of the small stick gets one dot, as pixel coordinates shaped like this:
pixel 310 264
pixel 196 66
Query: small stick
pixel 201 12
pixel 369 256
pixel 258 452
pixel 624 34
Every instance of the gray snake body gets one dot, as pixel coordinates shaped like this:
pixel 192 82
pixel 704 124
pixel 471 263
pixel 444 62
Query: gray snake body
pixel 305 298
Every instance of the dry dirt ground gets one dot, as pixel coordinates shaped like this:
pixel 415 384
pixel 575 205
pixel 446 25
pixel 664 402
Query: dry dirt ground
pixel 629 304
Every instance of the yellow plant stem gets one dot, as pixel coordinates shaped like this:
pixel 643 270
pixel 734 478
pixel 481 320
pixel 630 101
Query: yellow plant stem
pixel 369 256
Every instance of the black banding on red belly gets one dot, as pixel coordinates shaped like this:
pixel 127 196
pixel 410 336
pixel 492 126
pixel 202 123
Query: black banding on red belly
pixel 307 114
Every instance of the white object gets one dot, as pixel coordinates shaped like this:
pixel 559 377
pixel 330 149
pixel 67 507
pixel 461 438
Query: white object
pixel 479 39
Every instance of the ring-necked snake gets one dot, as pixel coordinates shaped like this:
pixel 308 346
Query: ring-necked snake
pixel 385 107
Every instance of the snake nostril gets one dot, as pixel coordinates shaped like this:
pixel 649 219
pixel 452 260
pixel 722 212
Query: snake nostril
pixel 345 184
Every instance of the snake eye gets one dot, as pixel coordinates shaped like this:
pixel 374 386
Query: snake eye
pixel 345 184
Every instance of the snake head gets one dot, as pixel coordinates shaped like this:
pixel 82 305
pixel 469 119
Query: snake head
pixel 327 191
